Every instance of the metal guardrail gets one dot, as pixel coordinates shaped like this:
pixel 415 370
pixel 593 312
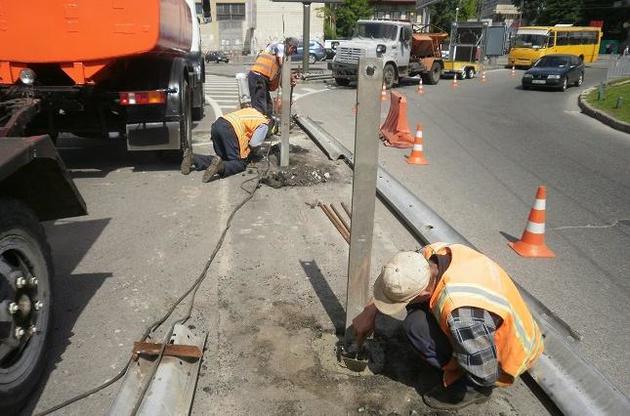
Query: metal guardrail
pixel 618 67
pixel 573 385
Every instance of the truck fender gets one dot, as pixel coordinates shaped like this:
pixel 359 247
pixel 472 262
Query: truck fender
pixel 32 172
pixel 178 71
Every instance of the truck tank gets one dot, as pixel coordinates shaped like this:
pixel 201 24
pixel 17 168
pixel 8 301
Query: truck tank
pixel 83 37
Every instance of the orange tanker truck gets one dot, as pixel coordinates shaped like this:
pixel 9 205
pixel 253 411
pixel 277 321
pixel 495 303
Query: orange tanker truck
pixel 96 67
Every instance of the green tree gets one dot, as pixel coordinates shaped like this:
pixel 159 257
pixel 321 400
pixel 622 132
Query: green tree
pixel 551 12
pixel 443 13
pixel 560 11
pixel 347 14
pixel 531 9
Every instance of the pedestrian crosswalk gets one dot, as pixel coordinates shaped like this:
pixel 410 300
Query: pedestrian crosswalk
pixel 221 93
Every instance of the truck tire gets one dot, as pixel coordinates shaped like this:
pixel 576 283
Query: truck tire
pixel 312 58
pixel 433 76
pixel 23 251
pixel 185 128
pixel 389 75
pixel 197 113
pixel 342 82
pixel 470 72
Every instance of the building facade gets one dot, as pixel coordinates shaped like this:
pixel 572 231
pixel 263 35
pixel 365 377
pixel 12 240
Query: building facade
pixel 248 26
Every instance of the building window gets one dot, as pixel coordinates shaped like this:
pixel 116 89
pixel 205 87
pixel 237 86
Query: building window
pixel 230 11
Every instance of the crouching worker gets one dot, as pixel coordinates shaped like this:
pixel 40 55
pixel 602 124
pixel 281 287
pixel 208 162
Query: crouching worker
pixel 465 317
pixel 233 136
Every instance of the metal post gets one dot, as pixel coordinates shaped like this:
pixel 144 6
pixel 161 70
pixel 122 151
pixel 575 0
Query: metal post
pixel 366 144
pixel 285 121
pixel 306 33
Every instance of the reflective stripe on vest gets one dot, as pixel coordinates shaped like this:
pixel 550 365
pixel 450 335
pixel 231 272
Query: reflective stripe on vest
pixel 474 280
pixel 266 65
pixel 245 122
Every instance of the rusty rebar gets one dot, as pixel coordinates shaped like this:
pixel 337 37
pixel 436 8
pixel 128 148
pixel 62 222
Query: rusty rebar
pixel 341 218
pixel 345 208
pixel 338 225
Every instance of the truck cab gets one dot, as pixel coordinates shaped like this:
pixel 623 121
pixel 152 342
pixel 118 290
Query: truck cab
pixel 404 49
pixel 389 40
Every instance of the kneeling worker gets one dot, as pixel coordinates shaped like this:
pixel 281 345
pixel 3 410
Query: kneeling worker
pixel 233 136
pixel 465 317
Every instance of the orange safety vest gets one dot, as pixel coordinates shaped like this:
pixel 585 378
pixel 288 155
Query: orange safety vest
pixel 267 65
pixel 244 122
pixel 474 280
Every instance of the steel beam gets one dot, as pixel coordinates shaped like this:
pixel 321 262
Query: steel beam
pixel 285 122
pixel 368 115
pixel 306 35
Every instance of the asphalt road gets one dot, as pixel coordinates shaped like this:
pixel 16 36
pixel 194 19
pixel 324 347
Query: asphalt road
pixel 489 147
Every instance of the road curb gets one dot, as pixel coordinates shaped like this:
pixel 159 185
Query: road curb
pixel 600 115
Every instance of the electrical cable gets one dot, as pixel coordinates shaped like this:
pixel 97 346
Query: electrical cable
pixel 155 325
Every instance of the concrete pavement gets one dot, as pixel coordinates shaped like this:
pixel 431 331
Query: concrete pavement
pixel 272 303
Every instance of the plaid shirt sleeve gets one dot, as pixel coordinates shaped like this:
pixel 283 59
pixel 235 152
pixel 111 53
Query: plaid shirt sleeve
pixel 472 334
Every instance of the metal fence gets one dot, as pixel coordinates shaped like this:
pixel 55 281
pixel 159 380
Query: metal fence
pixel 618 67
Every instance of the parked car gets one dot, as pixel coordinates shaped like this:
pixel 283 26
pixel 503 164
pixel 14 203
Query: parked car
pixel 316 52
pixel 555 71
pixel 330 46
pixel 217 56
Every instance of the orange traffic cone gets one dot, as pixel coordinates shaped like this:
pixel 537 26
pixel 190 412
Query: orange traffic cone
pixel 416 157
pixel 532 243
pixel 513 71
pixel 483 76
pixel 454 84
pixel 420 89
pixel 384 93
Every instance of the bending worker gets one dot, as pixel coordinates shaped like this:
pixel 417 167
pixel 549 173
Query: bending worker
pixel 264 75
pixel 233 136
pixel 465 317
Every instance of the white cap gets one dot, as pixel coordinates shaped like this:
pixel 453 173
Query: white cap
pixel 403 278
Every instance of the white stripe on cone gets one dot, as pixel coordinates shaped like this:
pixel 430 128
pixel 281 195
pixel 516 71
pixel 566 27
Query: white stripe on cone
pixel 539 204
pixel 419 134
pixel 535 228
pixel 417 148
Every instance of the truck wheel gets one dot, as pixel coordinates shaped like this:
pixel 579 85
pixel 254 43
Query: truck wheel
pixel 433 76
pixel 185 129
pixel 197 113
pixel 25 304
pixel 312 59
pixel 470 73
pixel 389 76
pixel 342 82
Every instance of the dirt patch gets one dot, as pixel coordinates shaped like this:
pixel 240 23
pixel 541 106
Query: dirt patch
pixel 307 168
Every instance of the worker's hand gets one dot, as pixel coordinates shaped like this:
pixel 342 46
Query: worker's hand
pixel 363 323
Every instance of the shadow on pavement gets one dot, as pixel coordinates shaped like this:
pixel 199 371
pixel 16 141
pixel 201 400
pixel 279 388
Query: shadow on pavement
pixel 70 242
pixel 96 158
pixel 401 362
pixel 326 296
pixel 509 237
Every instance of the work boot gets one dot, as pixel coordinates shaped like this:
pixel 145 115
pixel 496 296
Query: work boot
pixel 187 161
pixel 216 166
pixel 456 396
